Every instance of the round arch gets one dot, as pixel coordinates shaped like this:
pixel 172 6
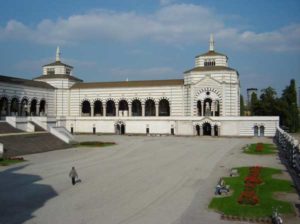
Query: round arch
pixel 33 107
pixel 98 108
pixel 42 109
pixel 4 107
pixel 150 109
pixel 136 107
pixel 14 106
pixel 110 107
pixel 164 107
pixel 85 108
pixel 24 106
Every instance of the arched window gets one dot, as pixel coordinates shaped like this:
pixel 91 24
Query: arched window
pixel 3 106
pixel 86 108
pixel 164 108
pixel 136 108
pixel 217 108
pixel 256 130
pixel 262 131
pixel 33 104
pixel 110 108
pixel 207 107
pixel 42 110
pixel 98 109
pixel 14 106
pixel 24 107
pixel 199 109
pixel 123 108
pixel 150 108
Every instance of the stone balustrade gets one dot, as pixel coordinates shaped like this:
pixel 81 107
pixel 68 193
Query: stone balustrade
pixel 289 148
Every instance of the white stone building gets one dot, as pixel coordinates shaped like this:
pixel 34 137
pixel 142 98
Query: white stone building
pixel 205 102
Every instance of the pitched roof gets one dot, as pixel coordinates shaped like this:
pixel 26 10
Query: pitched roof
pixel 211 53
pixel 59 76
pixel 25 82
pixel 210 68
pixel 58 63
pixel 127 84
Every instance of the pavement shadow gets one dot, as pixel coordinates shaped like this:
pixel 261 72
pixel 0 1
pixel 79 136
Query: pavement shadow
pixel 20 195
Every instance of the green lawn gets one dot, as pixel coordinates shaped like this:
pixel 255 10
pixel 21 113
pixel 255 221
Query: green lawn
pixel 95 144
pixel 230 206
pixel 268 149
pixel 7 162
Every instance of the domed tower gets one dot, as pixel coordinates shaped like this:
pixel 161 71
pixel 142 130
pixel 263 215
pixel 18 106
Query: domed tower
pixel 58 74
pixel 213 88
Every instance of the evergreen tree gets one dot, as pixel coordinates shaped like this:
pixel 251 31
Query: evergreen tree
pixel 255 106
pixel 289 97
pixel 269 102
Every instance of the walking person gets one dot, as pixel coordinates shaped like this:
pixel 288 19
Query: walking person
pixel 73 174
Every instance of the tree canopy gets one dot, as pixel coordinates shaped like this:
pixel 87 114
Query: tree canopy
pixel 285 106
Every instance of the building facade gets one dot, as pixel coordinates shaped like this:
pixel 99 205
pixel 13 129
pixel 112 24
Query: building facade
pixel 205 102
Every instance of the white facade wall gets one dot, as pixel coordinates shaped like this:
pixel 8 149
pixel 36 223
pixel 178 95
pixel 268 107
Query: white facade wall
pixel 229 126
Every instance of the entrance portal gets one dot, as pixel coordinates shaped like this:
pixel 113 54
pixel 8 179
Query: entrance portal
pixel 206 129
pixel 198 129
pixel 120 129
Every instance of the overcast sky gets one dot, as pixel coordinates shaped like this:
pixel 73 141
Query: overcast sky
pixel 152 39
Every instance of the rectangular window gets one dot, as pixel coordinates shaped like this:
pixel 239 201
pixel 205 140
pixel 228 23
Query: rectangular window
pixel 50 71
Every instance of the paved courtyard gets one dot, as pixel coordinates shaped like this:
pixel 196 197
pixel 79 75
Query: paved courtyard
pixel 141 180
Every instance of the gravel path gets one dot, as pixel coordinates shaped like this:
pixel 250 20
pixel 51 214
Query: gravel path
pixel 141 180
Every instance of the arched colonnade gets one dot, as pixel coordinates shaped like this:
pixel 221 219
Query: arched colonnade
pixel 15 106
pixel 125 108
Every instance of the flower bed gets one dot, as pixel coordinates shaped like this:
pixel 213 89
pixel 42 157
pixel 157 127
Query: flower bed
pixel 260 149
pixel 249 196
pixel 264 187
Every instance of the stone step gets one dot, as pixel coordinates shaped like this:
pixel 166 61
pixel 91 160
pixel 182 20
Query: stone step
pixel 15 145
pixel 37 127
pixel 6 128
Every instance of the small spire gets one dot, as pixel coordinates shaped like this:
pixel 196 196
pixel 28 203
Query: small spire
pixel 57 54
pixel 211 43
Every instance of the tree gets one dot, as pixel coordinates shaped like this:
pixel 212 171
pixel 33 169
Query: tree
pixel 269 102
pixel 255 106
pixel 289 96
pixel 242 105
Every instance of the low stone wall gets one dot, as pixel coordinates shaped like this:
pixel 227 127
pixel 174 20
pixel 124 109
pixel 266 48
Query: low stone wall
pixel 290 149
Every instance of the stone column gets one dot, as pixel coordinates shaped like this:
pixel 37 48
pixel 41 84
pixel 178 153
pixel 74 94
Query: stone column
pixel 129 110
pixel 104 110
pixel 213 107
pixel 117 110
pixel 37 109
pixel 143 109
pixel 19 109
pixel 219 130
pixel 201 131
pixel 212 131
pixel 202 108
pixel 156 109
pixel 8 109
pixel 258 131
pixel 92 110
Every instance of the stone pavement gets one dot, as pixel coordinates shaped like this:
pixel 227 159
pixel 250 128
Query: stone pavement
pixel 141 180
